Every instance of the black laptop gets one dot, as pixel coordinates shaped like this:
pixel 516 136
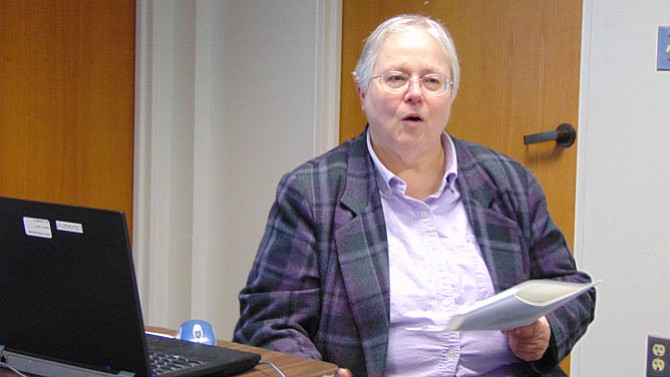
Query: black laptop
pixel 69 304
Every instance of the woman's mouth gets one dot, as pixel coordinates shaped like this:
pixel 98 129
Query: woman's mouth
pixel 412 118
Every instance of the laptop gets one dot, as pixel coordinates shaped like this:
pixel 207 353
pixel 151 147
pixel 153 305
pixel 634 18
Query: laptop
pixel 69 303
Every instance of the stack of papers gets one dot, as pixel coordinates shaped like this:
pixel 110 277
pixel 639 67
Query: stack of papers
pixel 518 306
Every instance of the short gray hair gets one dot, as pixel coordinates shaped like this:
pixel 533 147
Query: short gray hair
pixel 374 42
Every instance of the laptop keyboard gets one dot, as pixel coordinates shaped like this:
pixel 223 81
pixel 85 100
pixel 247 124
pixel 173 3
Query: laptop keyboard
pixel 162 363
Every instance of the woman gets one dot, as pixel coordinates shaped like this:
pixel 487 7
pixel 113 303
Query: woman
pixel 401 227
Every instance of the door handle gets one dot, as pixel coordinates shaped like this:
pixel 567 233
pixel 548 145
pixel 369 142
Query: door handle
pixel 564 136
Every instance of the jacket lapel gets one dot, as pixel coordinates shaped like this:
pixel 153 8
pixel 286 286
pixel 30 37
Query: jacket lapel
pixel 363 256
pixel 497 235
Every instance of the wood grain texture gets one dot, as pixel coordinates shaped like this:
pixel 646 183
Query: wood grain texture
pixel 67 101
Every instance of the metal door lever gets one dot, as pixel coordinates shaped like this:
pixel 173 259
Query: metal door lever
pixel 564 136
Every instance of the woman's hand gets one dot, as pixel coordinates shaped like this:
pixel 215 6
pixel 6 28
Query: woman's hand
pixel 342 372
pixel 530 342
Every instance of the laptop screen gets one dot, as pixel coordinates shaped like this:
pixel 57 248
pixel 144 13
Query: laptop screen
pixel 67 287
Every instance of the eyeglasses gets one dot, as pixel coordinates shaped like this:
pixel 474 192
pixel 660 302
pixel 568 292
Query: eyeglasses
pixel 398 82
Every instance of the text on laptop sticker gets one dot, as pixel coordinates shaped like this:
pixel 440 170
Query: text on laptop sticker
pixel 37 227
pixel 65 226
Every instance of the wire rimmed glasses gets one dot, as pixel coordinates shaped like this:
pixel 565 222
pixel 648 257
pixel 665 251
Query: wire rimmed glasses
pixel 397 82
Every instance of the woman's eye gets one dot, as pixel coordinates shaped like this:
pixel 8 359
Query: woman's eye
pixel 434 81
pixel 395 79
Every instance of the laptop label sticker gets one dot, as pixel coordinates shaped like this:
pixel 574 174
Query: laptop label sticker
pixel 37 227
pixel 65 226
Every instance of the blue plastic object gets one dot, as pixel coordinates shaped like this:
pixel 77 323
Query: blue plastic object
pixel 663 54
pixel 197 331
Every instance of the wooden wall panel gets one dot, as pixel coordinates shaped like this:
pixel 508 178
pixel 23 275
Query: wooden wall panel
pixel 67 101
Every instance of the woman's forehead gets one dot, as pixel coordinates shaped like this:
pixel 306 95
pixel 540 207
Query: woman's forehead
pixel 412 47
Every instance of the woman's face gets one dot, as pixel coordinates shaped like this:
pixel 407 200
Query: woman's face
pixel 407 124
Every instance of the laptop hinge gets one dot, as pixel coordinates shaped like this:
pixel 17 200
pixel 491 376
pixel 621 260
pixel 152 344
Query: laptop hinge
pixel 41 367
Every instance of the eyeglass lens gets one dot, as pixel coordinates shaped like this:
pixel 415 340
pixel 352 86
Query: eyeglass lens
pixel 395 82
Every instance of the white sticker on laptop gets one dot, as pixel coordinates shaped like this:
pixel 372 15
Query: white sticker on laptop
pixel 65 226
pixel 37 227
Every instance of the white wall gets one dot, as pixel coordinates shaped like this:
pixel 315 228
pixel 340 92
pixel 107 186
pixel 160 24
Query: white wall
pixel 230 95
pixel 623 205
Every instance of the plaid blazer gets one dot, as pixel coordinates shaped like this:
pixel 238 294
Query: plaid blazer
pixel 319 286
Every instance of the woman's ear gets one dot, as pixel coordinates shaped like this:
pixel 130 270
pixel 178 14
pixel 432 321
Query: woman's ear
pixel 361 94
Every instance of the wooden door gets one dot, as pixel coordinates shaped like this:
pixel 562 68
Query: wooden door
pixel 520 62
pixel 67 102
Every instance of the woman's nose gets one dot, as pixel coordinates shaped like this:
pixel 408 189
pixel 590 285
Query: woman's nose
pixel 414 90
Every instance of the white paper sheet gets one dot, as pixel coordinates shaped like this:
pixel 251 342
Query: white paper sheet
pixel 518 306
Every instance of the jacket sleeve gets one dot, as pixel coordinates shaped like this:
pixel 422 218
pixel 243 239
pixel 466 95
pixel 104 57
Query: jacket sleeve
pixel 550 258
pixel 279 306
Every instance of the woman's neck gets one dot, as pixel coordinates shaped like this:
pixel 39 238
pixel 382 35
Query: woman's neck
pixel 422 173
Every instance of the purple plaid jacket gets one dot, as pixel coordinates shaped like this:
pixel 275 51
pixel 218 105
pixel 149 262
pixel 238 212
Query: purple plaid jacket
pixel 319 285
